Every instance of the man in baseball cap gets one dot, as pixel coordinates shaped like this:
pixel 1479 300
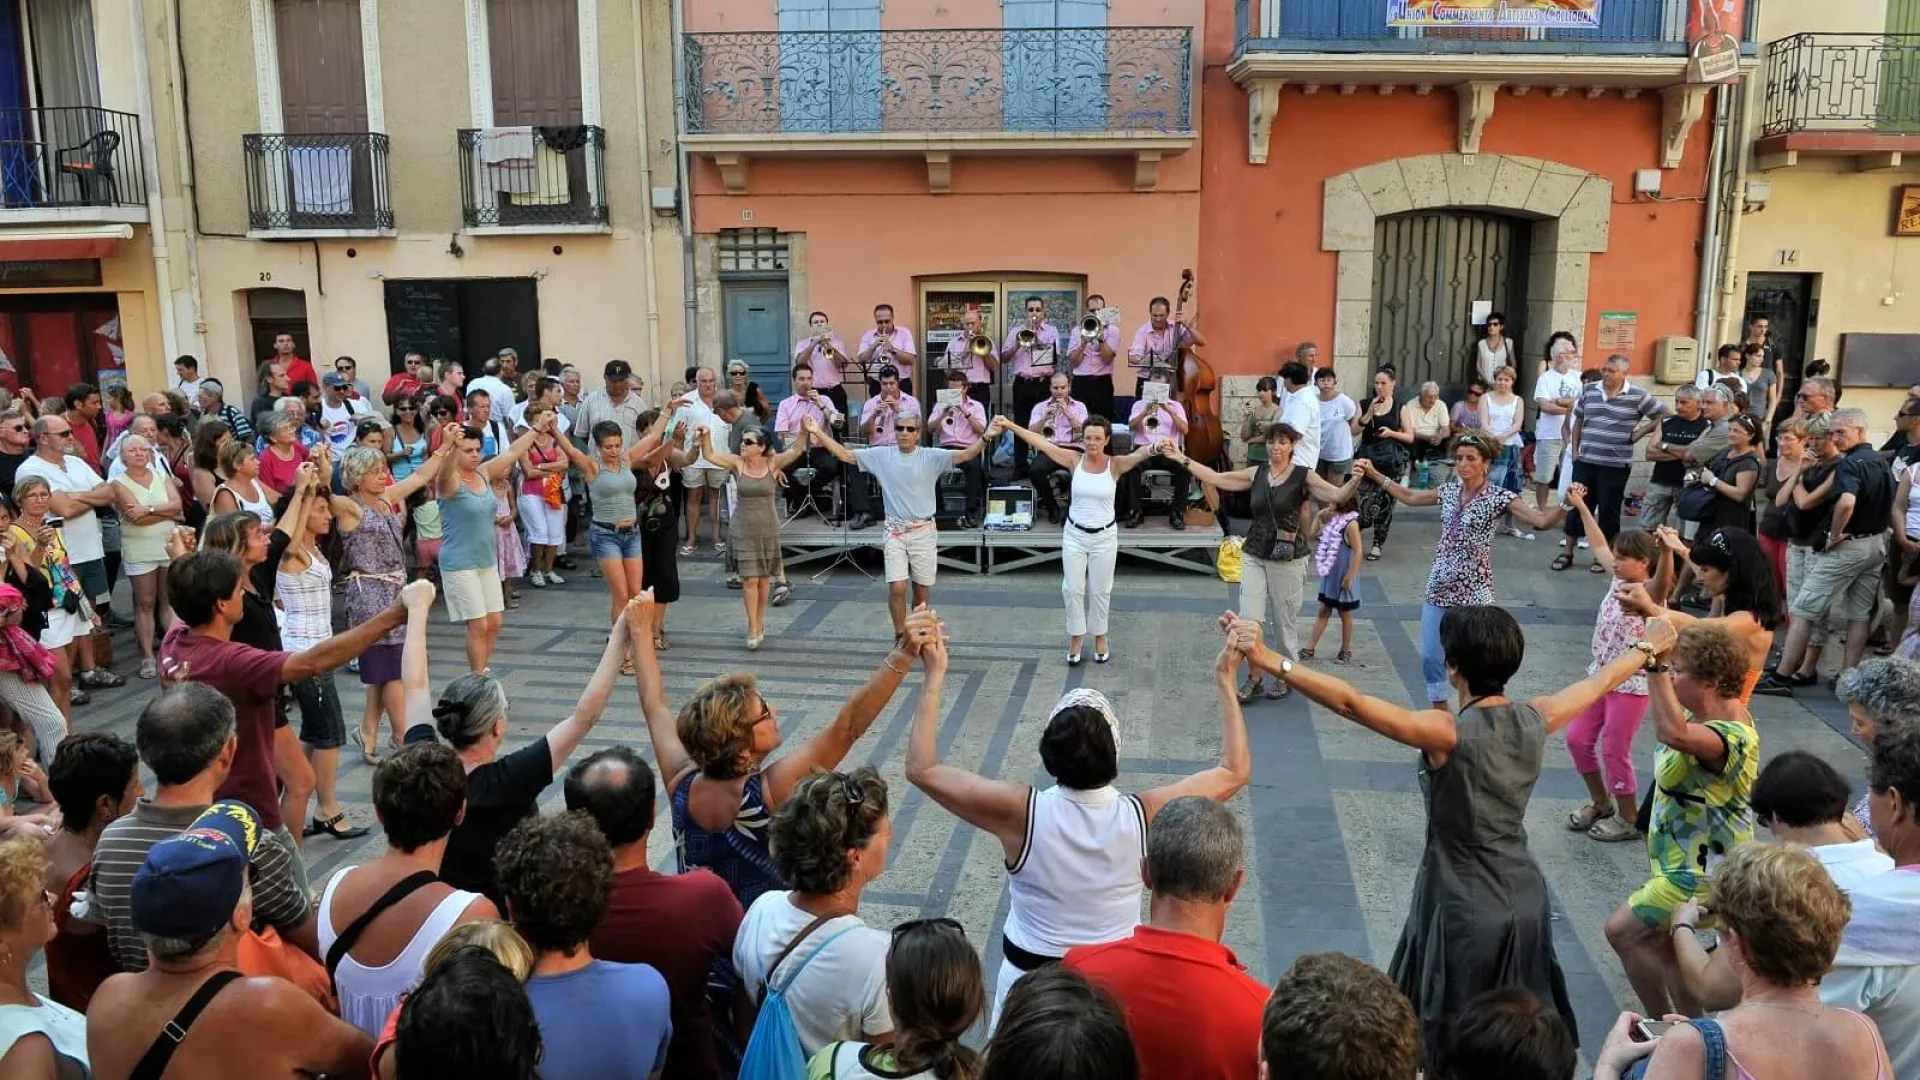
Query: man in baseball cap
pixel 192 1006
pixel 619 403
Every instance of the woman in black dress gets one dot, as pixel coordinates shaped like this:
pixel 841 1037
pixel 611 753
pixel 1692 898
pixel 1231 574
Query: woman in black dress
pixel 659 522
pixel 1480 917
pixel 1385 441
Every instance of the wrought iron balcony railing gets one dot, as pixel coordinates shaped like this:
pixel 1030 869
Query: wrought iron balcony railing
pixel 320 182
pixel 1622 27
pixel 70 157
pixel 1122 79
pixel 1843 82
pixel 546 176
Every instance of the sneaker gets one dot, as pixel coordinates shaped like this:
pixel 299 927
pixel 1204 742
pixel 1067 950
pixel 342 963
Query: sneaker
pixel 100 679
pixel 79 697
pixel 537 579
pixel 1773 685
pixel 555 579
pixel 1583 544
pixel 782 592
pixel 149 670
pixel 733 581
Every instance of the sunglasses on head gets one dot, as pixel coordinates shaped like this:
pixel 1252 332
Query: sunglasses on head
pixel 915 924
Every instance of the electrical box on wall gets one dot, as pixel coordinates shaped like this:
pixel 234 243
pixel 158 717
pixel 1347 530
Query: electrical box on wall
pixel 1646 181
pixel 1675 359
pixel 666 200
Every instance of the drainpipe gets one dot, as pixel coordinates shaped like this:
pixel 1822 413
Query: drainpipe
pixel 1735 199
pixel 183 151
pixel 156 213
pixel 689 297
pixel 640 69
pixel 1705 293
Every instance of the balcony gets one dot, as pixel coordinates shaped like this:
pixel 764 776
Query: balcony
pixel 318 185
pixel 1841 95
pixel 543 179
pixel 71 166
pixel 937 93
pixel 1629 47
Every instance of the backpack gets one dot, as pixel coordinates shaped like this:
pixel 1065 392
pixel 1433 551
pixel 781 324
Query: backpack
pixel 773 1051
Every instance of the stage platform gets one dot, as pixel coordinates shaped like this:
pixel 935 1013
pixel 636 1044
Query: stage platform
pixel 810 540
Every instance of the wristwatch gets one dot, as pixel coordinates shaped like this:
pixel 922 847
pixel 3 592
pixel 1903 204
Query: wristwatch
pixel 1286 667
pixel 1652 658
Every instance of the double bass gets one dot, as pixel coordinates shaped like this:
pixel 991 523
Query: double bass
pixel 1198 389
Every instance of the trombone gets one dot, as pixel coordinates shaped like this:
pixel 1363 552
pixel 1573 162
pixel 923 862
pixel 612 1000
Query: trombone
pixel 1026 338
pixel 981 345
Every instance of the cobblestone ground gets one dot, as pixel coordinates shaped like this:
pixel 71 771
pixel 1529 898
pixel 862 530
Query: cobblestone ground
pixel 1334 817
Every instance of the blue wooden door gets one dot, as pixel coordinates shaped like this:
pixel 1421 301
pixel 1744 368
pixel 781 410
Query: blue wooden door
pixel 756 328
pixel 830 65
pixel 1054 59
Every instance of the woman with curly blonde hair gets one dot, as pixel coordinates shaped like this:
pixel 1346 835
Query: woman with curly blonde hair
pixel 1781 917
pixel 38 1036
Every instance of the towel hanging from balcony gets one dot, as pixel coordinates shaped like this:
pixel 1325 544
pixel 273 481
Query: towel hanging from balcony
pixel 507 159
pixel 321 178
pixel 550 187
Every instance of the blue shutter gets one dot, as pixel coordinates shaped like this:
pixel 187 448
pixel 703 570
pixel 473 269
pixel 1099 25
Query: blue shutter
pixel 1056 80
pixel 805 46
pixel 856 64
pixel 1086 87
pixel 1026 102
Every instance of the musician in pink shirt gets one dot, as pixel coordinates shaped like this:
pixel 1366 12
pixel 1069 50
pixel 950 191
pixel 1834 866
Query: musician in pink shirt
pixel 1058 419
pixel 1150 422
pixel 1155 344
pixel 824 352
pixel 888 344
pixel 877 413
pixel 980 370
pixel 790 420
pixel 1031 367
pixel 1090 359
pixel 958 427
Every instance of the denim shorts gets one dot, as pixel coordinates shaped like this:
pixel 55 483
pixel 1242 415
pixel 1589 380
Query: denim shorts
pixel 608 542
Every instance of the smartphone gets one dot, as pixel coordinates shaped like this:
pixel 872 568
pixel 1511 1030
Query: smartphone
pixel 54 521
pixel 1650 1030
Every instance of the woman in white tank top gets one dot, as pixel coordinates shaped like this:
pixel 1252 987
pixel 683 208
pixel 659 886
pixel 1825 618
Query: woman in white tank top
pixel 1090 540
pixel 1073 850
pixel 1502 414
pixel 241 489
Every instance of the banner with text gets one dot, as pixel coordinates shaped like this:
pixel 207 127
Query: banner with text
pixel 1569 14
pixel 1713 39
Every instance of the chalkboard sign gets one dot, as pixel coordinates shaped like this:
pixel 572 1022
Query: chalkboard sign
pixel 423 316
pixel 1884 360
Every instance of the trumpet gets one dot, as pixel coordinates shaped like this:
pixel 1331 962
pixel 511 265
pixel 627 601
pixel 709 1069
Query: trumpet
pixel 1090 327
pixel 1026 338
pixel 981 345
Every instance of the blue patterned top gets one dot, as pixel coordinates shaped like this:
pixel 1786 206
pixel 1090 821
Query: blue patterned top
pixel 740 855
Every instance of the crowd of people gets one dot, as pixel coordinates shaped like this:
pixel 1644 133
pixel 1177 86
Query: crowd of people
pixel 181 935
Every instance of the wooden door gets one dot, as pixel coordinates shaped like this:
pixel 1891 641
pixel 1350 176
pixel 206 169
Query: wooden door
pixel 756 331
pixel 323 75
pixel 535 56
pixel 1429 269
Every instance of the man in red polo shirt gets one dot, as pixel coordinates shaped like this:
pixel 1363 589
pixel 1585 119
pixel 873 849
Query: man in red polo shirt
pixel 1193 1010
pixel 298 370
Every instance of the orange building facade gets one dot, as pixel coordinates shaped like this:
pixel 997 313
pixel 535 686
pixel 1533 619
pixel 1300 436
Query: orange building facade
pixel 1330 178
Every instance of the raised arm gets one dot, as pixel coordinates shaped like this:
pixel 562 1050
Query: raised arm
pixel 648 443
pixel 1332 494
pixel 831 444
pixel 567 734
pixel 505 460
pixel 1672 727
pixel 831 745
pixel 662 727
pixel 1237 480
pixel 1602 552
pixel 1562 706
pixel 414 683
pixel 1539 517
pixel 720 458
pixel 1124 465
pixel 1401 493
pixel 1431 731
pixel 1224 780
pixel 792 453
pixel 398 494
pixel 1064 456
pixel 994 806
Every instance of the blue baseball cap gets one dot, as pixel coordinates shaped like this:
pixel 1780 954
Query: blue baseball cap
pixel 190 882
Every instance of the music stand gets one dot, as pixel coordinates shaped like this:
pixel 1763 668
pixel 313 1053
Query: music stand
pixel 848 473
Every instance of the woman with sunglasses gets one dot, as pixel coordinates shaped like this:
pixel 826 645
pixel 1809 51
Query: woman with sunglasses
pixel 408 449
pixel 614 533
pixel 1738 580
pixel 936 993
pixel 756 523
pixel 1073 850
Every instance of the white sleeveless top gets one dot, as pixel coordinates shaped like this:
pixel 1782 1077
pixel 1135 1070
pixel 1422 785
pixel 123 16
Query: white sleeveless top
pixel 1092 496
pixel 64 1028
pixel 368 995
pixel 259 507
pixel 1077 880
pixel 1501 416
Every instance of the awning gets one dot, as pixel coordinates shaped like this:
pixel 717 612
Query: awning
pixel 61 245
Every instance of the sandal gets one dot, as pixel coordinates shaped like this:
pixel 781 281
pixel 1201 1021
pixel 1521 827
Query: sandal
pixel 660 642
pixel 1278 690
pixel 687 549
pixel 336 827
pixel 1345 657
pixel 1586 817
pixel 1374 555
pixel 1596 568
pixel 367 747
pixel 1306 655
pixel 1613 830
pixel 1561 561
pixel 1249 690
pixel 626 666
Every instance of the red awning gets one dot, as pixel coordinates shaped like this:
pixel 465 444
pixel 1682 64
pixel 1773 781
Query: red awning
pixel 48 250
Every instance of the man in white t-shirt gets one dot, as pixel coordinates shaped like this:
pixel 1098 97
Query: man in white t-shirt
pixel 496 388
pixel 1337 411
pixel 339 412
pixel 77 492
pixel 703 477
pixel 1553 394
pixel 1300 410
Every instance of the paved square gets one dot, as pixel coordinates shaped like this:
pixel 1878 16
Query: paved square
pixel 1334 815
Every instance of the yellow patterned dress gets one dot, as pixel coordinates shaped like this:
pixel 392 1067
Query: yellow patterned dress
pixel 1699 815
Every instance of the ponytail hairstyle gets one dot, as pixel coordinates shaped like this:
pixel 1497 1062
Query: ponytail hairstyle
pixel 937 992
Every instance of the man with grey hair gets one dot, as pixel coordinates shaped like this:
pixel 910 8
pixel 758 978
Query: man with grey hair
pixel 1554 393
pixel 192 907
pixel 1842 581
pixel 78 494
pixel 1815 396
pixel 16 446
pixel 1667 452
pixel 696 407
pixel 187 738
pixel 1191 1007
pixel 1609 417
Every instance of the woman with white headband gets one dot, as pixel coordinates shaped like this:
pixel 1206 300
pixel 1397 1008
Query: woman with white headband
pixel 1073 850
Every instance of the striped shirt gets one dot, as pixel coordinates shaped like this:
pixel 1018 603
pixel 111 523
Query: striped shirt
pixel 1607 423
pixel 277 899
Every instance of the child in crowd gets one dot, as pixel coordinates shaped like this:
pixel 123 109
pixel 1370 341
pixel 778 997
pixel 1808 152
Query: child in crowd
pixel 1337 560
pixel 20 777
pixel 426 539
pixel 1611 723
pixel 508 549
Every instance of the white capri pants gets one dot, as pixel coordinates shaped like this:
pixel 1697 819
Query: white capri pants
pixel 1086 560
pixel 34 705
pixel 1279 583
pixel 545 524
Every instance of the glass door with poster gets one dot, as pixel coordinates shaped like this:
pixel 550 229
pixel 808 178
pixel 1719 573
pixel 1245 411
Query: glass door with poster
pixel 999 301
pixel 943 306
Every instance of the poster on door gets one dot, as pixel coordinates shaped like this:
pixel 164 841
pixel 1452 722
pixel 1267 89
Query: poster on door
pixel 1564 14
pixel 1713 39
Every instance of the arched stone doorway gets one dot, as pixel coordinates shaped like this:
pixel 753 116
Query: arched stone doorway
pixel 1570 209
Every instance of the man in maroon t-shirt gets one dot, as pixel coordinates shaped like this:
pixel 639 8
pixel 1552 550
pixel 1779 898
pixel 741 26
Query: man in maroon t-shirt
pixel 207 590
pixel 678 923
pixel 1193 1010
